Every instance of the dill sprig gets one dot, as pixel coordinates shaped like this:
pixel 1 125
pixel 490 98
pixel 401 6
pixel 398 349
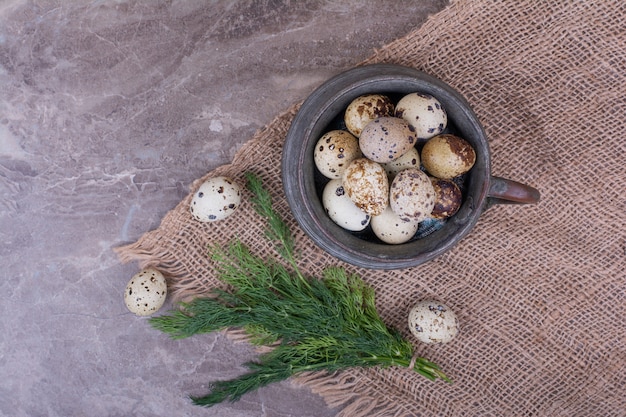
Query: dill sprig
pixel 327 324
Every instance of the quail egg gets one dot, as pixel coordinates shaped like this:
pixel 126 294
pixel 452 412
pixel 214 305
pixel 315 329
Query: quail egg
pixel 367 185
pixel 341 209
pixel 334 151
pixel 448 156
pixel 448 198
pixel 412 195
pixel 424 113
pixel 393 229
pixel 364 109
pixel 145 292
pixel 433 322
pixel 386 138
pixel 216 199
pixel 410 159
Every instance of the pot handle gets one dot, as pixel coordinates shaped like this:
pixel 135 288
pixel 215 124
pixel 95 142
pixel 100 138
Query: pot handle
pixel 503 191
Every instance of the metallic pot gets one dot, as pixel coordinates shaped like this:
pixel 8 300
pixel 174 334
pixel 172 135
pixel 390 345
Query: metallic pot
pixel 303 184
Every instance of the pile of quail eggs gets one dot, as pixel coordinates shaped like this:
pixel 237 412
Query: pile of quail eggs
pixel 393 167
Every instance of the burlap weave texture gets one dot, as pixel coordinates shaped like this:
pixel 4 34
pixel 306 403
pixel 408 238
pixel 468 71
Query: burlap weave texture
pixel 540 290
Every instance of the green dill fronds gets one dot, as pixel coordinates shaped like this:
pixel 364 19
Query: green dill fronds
pixel 277 230
pixel 311 324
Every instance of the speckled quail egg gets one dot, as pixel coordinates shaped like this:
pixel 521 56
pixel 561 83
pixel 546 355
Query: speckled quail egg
pixel 412 195
pixel 334 151
pixel 386 138
pixel 448 156
pixel 145 292
pixel 410 159
pixel 367 185
pixel 433 322
pixel 393 229
pixel 424 113
pixel 341 209
pixel 216 199
pixel 364 109
pixel 448 198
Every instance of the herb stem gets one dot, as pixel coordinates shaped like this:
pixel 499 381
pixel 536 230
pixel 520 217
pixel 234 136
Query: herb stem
pixel 276 228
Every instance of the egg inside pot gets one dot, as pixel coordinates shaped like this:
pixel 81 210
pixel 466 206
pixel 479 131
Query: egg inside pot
pixel 393 229
pixel 386 139
pixel 341 209
pixel 448 198
pixel 334 151
pixel 364 109
pixel 448 156
pixel 367 185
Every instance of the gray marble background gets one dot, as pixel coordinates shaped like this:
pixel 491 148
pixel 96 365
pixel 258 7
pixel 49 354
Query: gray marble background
pixel 108 111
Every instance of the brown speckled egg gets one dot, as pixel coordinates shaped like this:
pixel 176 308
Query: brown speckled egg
pixel 433 322
pixel 145 292
pixel 386 139
pixel 391 228
pixel 412 195
pixel 424 113
pixel 448 156
pixel 364 109
pixel 334 151
pixel 448 198
pixel 216 199
pixel 367 185
pixel 410 159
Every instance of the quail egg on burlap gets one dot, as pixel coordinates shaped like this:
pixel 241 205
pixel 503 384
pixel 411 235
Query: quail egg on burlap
pixel 448 156
pixel 334 151
pixel 367 185
pixel 145 292
pixel 386 139
pixel 341 209
pixel 412 195
pixel 448 198
pixel 364 109
pixel 433 322
pixel 393 229
pixel 216 199
pixel 424 112
pixel 410 159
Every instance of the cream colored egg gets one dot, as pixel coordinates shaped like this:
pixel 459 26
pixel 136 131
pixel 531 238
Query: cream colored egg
pixel 367 185
pixel 216 199
pixel 145 292
pixel 433 322
pixel 364 109
pixel 412 195
pixel 410 159
pixel 448 156
pixel 424 112
pixel 341 209
pixel 393 229
pixel 334 151
pixel 386 139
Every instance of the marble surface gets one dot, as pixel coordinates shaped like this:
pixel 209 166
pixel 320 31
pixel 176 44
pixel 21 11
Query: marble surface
pixel 108 111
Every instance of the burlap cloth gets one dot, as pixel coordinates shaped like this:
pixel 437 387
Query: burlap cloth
pixel 540 290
